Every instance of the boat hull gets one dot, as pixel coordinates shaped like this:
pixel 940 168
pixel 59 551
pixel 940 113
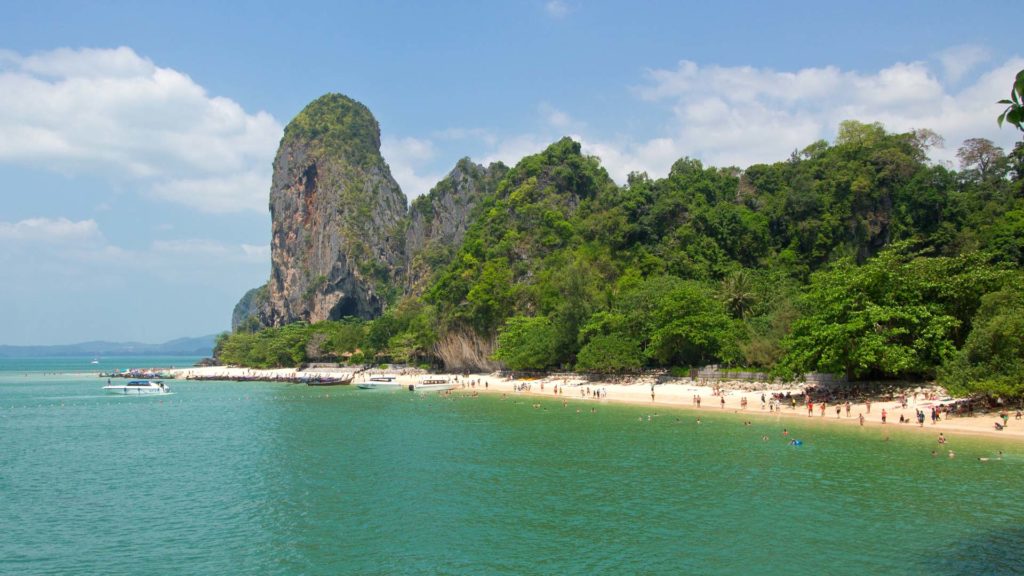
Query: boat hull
pixel 137 388
pixel 433 387
pixel 128 391
pixel 379 385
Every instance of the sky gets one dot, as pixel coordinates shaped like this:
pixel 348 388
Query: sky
pixel 136 138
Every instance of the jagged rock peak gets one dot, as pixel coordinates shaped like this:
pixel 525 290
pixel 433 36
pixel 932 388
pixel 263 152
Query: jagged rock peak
pixel 438 220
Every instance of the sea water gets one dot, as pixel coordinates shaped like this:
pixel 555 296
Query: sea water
pixel 263 478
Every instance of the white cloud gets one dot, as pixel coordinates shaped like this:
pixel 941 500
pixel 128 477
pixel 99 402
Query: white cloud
pixel 486 136
pixel 738 116
pixel 49 230
pixel 219 194
pixel 408 158
pixel 556 8
pixel 63 241
pixel 256 253
pixel 511 150
pixel 113 113
pixel 959 60
pixel 212 250
pixel 744 115
pixel 556 118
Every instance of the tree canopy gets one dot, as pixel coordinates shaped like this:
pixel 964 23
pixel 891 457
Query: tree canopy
pixel 858 257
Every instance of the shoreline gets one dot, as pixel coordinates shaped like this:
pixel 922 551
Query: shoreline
pixel 675 395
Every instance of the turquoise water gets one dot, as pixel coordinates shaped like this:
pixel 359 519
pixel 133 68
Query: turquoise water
pixel 256 478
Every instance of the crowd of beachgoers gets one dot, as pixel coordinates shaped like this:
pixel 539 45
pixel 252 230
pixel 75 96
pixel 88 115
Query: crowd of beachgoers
pixel 921 407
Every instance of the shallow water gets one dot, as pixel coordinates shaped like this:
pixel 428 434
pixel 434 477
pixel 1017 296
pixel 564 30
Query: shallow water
pixel 258 478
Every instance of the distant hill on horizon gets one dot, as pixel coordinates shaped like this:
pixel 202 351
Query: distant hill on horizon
pixel 198 346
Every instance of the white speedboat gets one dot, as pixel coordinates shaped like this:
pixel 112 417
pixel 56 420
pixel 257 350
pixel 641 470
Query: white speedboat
pixel 379 383
pixel 138 387
pixel 433 385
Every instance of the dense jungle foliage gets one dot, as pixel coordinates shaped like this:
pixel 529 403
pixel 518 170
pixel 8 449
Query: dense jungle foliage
pixel 859 257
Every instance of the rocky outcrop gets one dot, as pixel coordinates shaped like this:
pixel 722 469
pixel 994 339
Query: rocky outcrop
pixel 438 220
pixel 246 314
pixel 343 243
pixel 462 349
pixel 336 213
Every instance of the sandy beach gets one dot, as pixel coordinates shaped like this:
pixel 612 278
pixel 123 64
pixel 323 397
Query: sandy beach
pixel 739 398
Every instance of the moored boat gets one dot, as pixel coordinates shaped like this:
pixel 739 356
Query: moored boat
pixel 379 383
pixel 432 385
pixel 138 387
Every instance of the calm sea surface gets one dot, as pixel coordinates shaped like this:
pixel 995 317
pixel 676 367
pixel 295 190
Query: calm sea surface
pixel 258 478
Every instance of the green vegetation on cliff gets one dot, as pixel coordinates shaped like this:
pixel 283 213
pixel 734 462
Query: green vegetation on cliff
pixel 858 257
pixel 339 126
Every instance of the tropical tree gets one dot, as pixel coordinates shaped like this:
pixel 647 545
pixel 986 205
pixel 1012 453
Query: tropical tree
pixel 610 353
pixel 898 315
pixel 527 343
pixel 1014 112
pixel 992 360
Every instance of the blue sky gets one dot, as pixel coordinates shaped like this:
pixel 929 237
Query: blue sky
pixel 136 137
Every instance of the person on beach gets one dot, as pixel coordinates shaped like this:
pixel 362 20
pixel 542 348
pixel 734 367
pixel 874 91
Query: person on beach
pixel 884 414
pixel 698 401
pixel 823 406
pixel 723 402
pixel 847 408
pixel 810 408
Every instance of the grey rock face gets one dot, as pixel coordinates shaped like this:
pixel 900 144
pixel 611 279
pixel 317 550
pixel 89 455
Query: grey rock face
pixel 248 308
pixel 336 214
pixel 438 220
pixel 343 242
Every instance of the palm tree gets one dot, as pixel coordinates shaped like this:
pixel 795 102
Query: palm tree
pixel 738 294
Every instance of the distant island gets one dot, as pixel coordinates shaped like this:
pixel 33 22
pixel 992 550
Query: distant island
pixel 199 346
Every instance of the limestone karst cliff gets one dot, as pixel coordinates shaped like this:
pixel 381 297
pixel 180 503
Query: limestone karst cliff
pixel 438 220
pixel 336 216
pixel 343 242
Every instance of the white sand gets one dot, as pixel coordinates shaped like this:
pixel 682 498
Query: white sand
pixel 675 395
